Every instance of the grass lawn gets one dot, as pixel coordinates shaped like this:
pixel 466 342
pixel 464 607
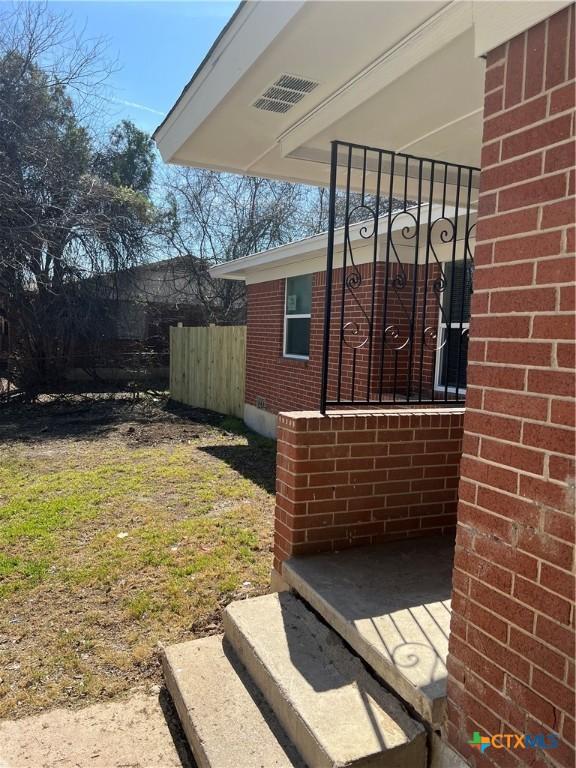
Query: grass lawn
pixel 123 524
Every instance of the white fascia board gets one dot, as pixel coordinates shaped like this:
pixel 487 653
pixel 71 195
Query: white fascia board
pixel 308 247
pixel 498 21
pixel 255 27
pixel 311 248
pixel 423 42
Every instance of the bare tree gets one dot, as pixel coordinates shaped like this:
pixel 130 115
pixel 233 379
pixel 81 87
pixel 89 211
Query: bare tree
pixel 220 217
pixel 68 209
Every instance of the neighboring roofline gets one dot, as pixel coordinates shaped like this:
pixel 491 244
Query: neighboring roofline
pixel 156 266
pixel 161 263
pixel 200 67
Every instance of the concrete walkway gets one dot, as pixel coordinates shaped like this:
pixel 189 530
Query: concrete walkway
pixel 140 732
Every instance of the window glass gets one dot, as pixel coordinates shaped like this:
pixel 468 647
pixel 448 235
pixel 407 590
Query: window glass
pixel 298 336
pixel 453 356
pixel 299 295
pixel 458 291
pixel 297 316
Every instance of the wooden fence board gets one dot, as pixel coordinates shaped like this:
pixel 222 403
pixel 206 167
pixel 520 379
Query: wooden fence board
pixel 208 367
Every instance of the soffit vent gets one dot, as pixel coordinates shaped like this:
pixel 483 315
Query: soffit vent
pixel 284 93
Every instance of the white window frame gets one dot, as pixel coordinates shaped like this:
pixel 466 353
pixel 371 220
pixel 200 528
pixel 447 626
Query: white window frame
pixel 286 354
pixel 438 386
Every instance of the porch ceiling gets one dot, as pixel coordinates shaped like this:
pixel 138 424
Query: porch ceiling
pixel 403 76
pixel 433 110
pixel 391 74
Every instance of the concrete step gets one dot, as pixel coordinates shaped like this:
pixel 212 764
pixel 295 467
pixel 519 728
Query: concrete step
pixel 333 710
pixel 227 722
pixel 391 603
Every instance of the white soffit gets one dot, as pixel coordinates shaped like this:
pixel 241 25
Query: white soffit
pixel 253 27
pixel 397 74
pixel 431 36
pixel 431 111
pixel 352 49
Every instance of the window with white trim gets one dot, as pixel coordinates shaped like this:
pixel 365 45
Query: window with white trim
pixel 454 319
pixel 297 311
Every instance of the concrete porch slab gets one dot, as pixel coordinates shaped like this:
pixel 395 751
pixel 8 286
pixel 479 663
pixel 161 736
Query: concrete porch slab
pixel 391 603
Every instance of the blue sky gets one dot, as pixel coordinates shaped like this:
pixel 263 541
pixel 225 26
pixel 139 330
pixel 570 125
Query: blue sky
pixel 158 45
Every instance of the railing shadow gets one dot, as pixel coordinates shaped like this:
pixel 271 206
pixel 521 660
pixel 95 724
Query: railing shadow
pixel 402 611
pixel 327 668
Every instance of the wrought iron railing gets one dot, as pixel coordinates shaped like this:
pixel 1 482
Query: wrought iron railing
pixel 398 278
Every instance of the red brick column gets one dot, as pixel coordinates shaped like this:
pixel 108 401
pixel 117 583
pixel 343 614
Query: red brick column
pixel 356 478
pixel 511 663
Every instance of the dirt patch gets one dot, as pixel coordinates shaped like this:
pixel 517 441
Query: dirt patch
pixel 125 523
pixel 141 418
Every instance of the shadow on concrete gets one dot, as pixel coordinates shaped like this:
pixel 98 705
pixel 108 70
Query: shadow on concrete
pixel 176 731
pixel 326 665
pixel 391 604
pixel 265 709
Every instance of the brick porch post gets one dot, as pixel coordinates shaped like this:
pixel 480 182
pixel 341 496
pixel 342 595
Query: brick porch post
pixel 511 663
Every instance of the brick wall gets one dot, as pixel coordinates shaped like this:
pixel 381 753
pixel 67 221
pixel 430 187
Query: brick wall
pixel 282 383
pixel 285 384
pixel 350 479
pixel 511 663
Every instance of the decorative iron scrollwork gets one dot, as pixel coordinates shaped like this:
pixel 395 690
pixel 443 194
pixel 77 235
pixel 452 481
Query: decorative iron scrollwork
pixel 394 339
pixel 470 258
pixel 352 329
pixel 407 308
pixel 446 234
pixel 353 278
pixel 469 253
pixel 364 230
pixel 431 338
pixel 408 232
pixel 393 332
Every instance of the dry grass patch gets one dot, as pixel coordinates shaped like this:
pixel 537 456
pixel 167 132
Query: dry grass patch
pixel 122 525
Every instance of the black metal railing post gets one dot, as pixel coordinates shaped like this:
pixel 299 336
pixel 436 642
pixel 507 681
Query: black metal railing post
pixel 329 268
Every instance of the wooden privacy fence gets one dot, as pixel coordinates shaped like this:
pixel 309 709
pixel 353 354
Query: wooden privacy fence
pixel 208 366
